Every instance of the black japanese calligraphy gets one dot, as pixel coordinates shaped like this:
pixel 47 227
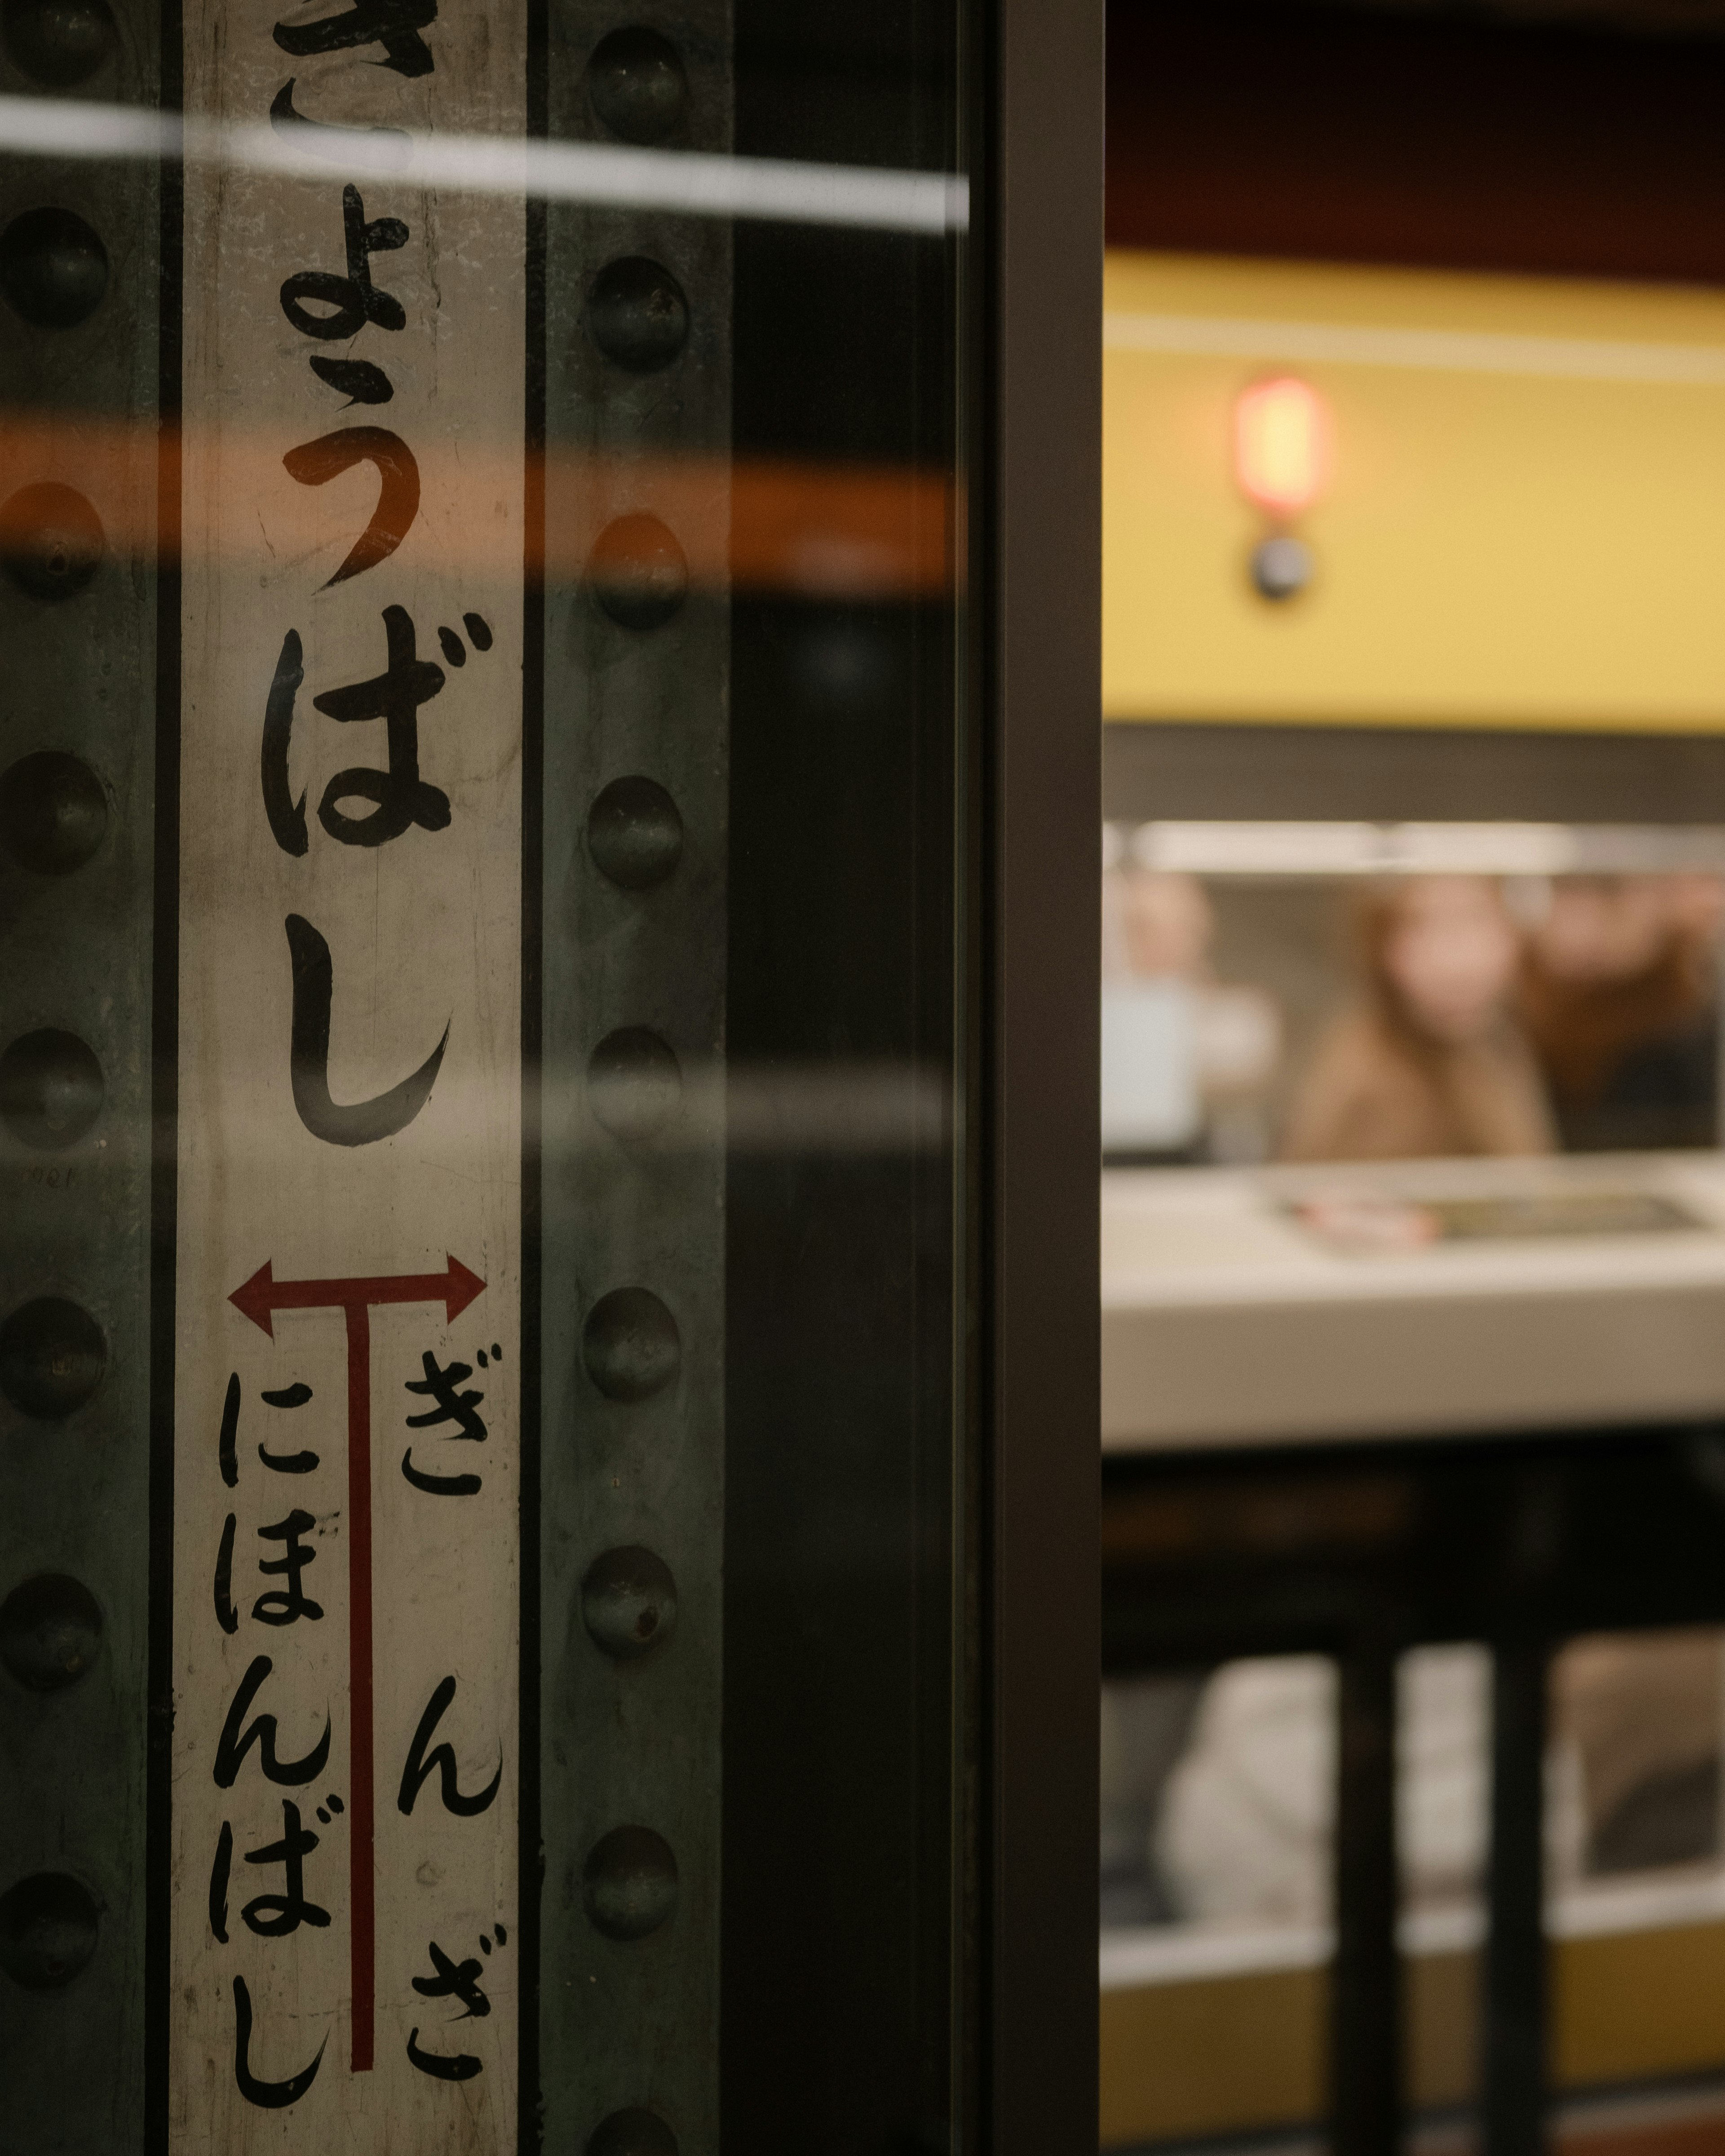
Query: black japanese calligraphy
pixel 461 2067
pixel 236 1739
pixel 288 1604
pixel 450 1404
pixel 439 1486
pixel 268 2096
pixel 359 1122
pixel 354 298
pixel 287 817
pixel 288 1463
pixel 227 1616
pixel 358 380
pixel 421 1764
pixel 274 1915
pixel 230 1431
pixel 218 1872
pixel 399 795
pixel 394 24
pixel 451 1979
pixel 441 1384
pixel 315 463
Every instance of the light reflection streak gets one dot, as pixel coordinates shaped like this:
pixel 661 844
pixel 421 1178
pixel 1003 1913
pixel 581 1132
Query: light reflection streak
pixel 880 1111
pixel 689 184
pixel 842 531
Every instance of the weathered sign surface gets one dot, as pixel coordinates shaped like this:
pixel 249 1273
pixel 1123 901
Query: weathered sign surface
pixel 344 1790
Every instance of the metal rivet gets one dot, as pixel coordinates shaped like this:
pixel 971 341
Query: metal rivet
pixel 633 2132
pixel 629 1344
pixel 50 1629
pixel 54 267
pixel 636 81
pixel 52 1357
pixel 1281 567
pixel 58 42
pixel 629 1602
pixel 636 314
pixel 634 833
pixel 638 572
pixel 634 1083
pixel 51 540
pixel 629 1883
pixel 47 1930
pixel 51 1089
pixel 53 813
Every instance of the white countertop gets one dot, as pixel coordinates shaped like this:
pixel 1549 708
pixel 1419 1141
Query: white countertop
pixel 1227 1319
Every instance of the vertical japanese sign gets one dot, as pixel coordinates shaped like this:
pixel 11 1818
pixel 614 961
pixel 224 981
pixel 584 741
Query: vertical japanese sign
pixel 346 1461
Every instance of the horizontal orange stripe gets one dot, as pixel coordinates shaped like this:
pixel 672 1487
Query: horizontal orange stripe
pixel 833 531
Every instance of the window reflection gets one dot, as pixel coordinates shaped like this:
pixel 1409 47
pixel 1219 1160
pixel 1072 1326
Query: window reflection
pixel 1261 1013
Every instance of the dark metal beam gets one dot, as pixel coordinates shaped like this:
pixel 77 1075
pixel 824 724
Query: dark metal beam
pixel 1039 193
pixel 1514 1997
pixel 1365 2001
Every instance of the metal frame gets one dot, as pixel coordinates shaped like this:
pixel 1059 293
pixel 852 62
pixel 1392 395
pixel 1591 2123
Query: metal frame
pixel 1041 529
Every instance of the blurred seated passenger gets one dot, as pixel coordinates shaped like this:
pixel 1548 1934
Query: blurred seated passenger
pixel 1186 1062
pixel 1643 1712
pixel 1242 1826
pixel 1432 1063
pixel 1243 1836
pixel 1618 998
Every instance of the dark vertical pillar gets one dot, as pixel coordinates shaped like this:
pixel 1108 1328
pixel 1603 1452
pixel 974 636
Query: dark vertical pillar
pixel 1037 521
pixel 1365 2007
pixel 1514 2000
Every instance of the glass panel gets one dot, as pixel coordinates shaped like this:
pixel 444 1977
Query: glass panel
pixel 483 1538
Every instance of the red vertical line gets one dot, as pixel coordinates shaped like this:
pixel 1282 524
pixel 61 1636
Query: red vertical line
pixel 362 1928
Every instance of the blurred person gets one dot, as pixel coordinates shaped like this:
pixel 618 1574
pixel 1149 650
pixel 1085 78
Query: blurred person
pixel 1644 1712
pixel 1619 996
pixel 1186 1061
pixel 1244 1833
pixel 1147 1727
pixel 1155 939
pixel 1432 1063
pixel 1168 924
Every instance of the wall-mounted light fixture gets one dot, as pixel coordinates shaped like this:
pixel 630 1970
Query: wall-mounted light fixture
pixel 1281 463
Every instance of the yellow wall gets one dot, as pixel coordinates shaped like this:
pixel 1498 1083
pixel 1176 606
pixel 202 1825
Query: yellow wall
pixel 1525 525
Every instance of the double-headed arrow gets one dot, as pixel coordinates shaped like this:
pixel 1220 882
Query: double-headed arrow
pixel 262 1296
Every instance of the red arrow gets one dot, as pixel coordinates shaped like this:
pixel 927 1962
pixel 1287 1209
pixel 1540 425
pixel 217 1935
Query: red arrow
pixel 262 1294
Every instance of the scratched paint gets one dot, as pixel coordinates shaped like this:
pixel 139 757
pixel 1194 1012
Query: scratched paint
pixel 345 1801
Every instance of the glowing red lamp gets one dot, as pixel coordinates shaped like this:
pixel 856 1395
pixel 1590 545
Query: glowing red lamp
pixel 1281 444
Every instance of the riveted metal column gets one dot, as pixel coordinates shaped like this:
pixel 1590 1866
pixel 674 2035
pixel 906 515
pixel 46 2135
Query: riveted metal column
pixel 78 282
pixel 638 337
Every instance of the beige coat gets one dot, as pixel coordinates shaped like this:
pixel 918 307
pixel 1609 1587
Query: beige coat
pixel 1375 1091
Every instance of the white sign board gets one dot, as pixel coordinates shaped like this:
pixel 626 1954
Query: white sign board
pixel 345 1614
